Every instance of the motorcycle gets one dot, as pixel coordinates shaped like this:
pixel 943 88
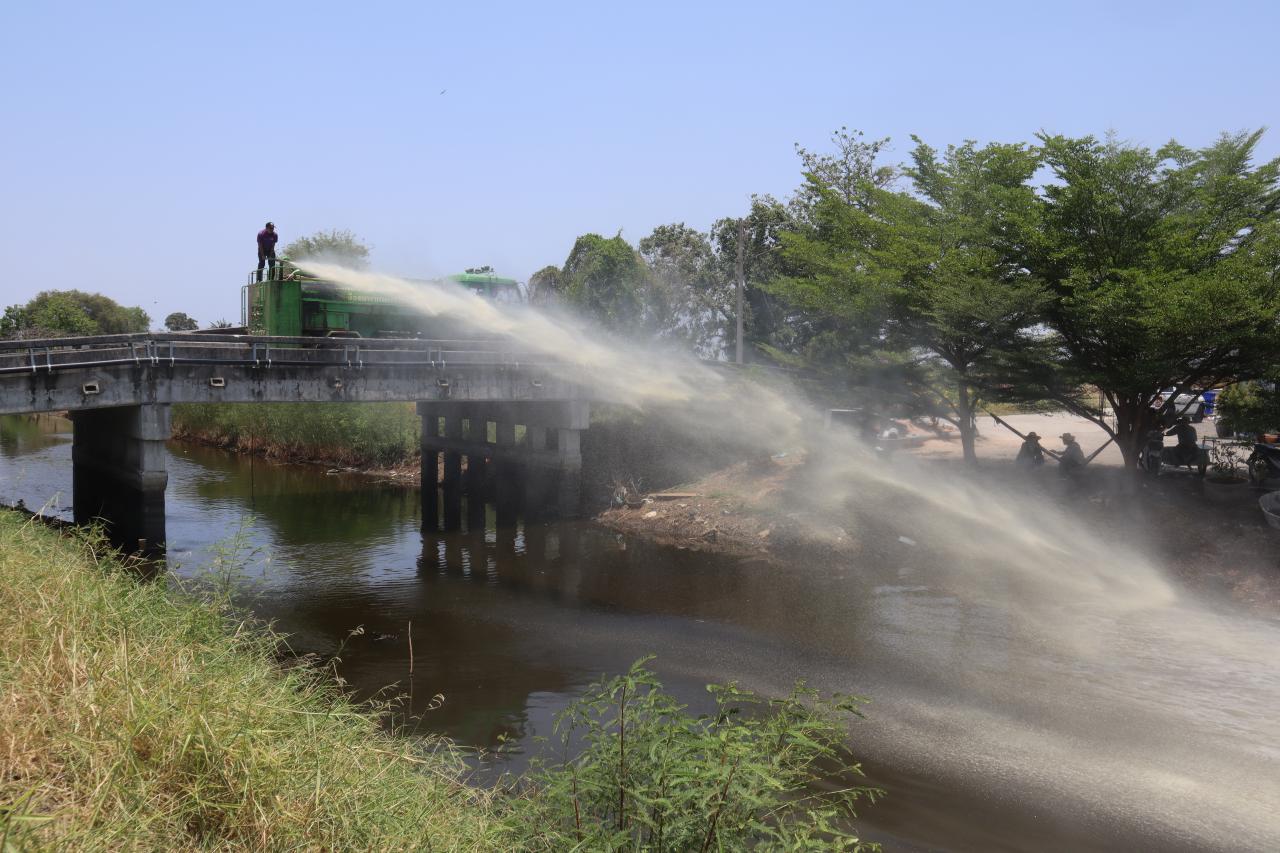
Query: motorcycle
pixel 1264 463
pixel 1155 455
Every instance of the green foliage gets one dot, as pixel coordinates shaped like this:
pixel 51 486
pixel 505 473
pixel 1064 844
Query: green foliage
pixel 757 773
pixel 1162 266
pixel 605 278
pixel 337 246
pixel 687 297
pixel 54 313
pixel 358 434
pixel 180 322
pixel 135 718
pixel 925 274
pixel 546 285
pixel 774 328
pixel 1250 407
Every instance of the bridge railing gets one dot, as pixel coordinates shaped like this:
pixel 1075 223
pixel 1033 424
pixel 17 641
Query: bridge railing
pixel 56 354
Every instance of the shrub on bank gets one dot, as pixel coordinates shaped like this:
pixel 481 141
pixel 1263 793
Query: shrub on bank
pixel 357 434
pixel 132 719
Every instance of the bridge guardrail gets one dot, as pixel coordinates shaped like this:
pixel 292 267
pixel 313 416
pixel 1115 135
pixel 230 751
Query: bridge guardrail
pixel 54 354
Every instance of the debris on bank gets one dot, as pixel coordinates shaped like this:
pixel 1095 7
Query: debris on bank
pixel 743 510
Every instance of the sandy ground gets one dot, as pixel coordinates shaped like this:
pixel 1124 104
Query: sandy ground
pixel 998 443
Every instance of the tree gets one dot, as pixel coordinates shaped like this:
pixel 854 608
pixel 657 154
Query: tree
pixel 604 278
pixel 926 274
pixel 545 285
pixel 770 326
pixel 336 246
pixel 54 313
pixel 686 297
pixel 180 322
pixel 851 172
pixel 1162 269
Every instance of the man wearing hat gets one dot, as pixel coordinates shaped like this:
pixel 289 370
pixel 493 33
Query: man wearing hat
pixel 1187 450
pixel 1031 453
pixel 1072 458
pixel 267 238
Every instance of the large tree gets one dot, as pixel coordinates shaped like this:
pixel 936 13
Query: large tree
pixel 926 274
pixel 604 278
pixel 337 246
pixel 1162 266
pixel 686 297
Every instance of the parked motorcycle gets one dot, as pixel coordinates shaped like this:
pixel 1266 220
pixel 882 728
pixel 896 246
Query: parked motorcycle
pixel 1155 455
pixel 1264 463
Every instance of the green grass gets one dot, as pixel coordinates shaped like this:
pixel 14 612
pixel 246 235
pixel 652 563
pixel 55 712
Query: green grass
pixel 357 434
pixel 134 718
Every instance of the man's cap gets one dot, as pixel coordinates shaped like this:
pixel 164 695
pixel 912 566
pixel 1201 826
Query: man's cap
pixel 1032 435
pixel 1066 436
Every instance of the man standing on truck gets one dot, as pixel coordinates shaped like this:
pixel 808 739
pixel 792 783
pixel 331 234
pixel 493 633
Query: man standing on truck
pixel 267 238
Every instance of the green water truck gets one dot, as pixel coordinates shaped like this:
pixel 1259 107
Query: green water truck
pixel 288 302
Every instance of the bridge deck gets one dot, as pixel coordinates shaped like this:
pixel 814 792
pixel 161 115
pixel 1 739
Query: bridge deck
pixel 71 374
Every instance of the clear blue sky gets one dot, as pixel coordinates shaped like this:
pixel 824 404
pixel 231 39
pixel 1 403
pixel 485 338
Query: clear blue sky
pixel 145 144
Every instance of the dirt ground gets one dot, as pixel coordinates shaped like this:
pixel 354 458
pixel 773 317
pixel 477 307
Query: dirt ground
pixel 1223 549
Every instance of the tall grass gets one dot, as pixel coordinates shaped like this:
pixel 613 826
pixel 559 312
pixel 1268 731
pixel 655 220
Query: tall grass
pixel 131 718
pixel 359 434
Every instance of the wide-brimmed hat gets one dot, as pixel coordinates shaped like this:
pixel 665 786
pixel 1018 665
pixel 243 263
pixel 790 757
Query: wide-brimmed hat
pixel 1066 436
pixel 1033 435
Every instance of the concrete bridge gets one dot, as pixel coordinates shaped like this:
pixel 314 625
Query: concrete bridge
pixel 483 405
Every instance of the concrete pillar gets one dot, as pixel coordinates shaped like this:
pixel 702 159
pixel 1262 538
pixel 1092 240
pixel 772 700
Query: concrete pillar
pixel 535 438
pixel 506 435
pixel 119 473
pixel 451 489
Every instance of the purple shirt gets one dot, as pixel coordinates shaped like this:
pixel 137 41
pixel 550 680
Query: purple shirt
pixel 267 241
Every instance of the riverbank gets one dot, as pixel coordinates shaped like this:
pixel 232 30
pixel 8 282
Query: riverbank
pixel 378 438
pixel 131 718
pixel 1223 550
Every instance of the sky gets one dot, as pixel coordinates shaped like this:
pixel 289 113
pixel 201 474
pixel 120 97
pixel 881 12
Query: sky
pixel 143 145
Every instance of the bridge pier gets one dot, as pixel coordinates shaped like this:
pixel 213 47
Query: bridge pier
pixel 119 473
pixel 541 463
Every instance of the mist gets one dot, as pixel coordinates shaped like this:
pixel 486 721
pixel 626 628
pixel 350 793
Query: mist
pixel 1063 659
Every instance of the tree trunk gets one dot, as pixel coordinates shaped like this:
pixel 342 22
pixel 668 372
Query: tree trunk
pixel 1134 419
pixel 968 429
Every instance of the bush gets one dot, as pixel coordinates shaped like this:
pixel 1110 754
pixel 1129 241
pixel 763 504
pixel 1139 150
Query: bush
pixel 1250 407
pixel 382 434
pixel 762 773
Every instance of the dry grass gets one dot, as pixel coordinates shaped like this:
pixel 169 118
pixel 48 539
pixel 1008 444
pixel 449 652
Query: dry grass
pixel 133 719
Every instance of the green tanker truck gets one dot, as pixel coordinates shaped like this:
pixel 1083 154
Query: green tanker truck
pixel 290 303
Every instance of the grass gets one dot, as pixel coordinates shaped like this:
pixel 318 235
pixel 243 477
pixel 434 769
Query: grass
pixel 352 434
pixel 133 718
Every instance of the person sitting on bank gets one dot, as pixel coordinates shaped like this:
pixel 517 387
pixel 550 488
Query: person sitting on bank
pixel 267 239
pixel 1031 453
pixel 1072 458
pixel 1186 451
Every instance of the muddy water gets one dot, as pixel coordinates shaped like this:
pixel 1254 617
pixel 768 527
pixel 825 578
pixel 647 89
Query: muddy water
pixel 985 737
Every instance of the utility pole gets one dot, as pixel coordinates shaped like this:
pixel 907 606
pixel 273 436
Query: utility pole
pixel 742 284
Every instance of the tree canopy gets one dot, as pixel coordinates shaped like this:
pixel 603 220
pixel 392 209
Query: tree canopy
pixel 54 313
pixel 1162 268
pixel 338 246
pixel 178 321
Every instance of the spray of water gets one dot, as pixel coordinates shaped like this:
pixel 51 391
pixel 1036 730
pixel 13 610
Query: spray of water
pixel 1100 668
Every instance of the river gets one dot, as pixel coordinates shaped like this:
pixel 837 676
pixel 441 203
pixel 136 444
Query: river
pixel 984 737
